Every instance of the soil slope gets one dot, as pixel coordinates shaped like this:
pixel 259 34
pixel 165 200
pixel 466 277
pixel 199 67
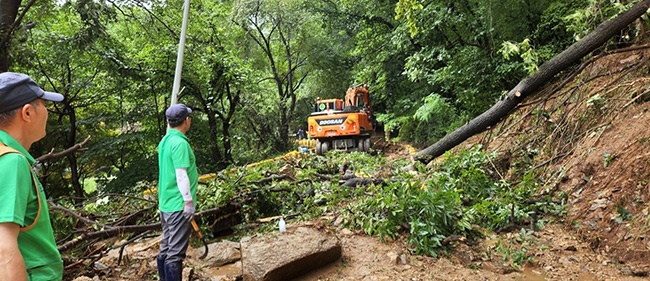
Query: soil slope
pixel 588 137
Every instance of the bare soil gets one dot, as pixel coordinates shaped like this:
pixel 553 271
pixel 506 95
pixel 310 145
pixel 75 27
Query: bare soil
pixel 558 256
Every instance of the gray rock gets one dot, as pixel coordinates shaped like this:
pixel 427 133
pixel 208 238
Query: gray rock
pixel 287 255
pixel 220 253
pixel 228 272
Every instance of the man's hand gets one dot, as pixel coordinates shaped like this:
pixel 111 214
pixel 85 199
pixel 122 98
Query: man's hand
pixel 188 210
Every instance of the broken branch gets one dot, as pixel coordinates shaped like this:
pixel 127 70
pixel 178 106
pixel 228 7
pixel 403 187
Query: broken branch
pixel 51 155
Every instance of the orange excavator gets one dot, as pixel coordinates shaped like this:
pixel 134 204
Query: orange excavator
pixel 343 124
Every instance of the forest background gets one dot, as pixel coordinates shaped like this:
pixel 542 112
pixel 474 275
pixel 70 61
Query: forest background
pixel 252 70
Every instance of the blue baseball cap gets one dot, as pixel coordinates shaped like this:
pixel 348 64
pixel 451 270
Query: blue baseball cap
pixel 177 112
pixel 17 89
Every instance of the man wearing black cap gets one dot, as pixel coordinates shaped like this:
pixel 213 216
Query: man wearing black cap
pixel 27 247
pixel 178 179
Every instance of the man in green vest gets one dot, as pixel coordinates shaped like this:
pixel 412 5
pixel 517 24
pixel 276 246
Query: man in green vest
pixel 177 182
pixel 27 247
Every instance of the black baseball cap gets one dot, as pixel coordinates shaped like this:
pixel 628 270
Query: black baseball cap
pixel 17 89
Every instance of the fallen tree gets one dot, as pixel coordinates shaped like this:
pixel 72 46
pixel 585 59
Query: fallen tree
pixel 534 82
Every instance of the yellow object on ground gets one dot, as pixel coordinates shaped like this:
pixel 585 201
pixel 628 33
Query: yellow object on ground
pixel 307 142
pixel 206 177
pixel 203 178
pixel 411 150
pixel 150 191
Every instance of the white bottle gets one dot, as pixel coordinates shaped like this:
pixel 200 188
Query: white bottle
pixel 282 225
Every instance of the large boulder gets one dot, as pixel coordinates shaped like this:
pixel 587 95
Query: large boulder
pixel 287 255
pixel 219 253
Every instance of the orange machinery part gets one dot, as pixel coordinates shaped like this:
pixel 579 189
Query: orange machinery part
pixel 339 124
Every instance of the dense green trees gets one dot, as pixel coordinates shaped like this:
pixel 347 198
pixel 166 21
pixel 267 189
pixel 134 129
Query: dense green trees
pixel 253 68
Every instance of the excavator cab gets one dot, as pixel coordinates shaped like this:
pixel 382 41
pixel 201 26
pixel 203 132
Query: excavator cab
pixel 328 105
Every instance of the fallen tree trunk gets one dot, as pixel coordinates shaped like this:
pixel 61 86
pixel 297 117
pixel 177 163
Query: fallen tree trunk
pixel 534 82
pixel 108 233
pixel 356 182
pixel 111 230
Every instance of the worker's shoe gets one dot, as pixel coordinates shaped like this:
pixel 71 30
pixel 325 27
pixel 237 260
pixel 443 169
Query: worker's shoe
pixel 173 271
pixel 160 259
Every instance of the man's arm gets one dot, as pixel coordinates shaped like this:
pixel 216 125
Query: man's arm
pixel 12 265
pixel 183 182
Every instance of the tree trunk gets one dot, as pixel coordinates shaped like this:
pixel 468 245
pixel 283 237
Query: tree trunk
pixel 8 13
pixel 75 179
pixel 534 82
pixel 214 135
pixel 234 101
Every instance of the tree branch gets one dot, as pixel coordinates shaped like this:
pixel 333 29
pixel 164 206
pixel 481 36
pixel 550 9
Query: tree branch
pixel 52 156
pixel 16 23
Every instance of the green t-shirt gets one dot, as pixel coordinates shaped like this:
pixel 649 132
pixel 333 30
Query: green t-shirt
pixel 19 204
pixel 174 152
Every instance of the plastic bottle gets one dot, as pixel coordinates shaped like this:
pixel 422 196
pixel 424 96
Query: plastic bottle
pixel 282 225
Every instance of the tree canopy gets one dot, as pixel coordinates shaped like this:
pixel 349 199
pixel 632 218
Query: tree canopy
pixel 253 68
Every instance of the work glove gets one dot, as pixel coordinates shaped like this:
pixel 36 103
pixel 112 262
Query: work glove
pixel 188 210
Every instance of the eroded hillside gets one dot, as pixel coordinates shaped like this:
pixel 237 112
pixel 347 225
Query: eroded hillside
pixel 587 136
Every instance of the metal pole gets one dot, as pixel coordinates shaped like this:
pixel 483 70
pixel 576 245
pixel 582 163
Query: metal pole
pixel 181 49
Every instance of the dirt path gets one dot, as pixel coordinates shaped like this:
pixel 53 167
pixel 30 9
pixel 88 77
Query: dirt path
pixel 557 255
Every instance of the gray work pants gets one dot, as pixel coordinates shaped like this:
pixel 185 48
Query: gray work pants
pixel 176 236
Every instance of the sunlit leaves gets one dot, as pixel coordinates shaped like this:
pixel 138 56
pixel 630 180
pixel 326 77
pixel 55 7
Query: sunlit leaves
pixel 583 21
pixel 523 50
pixel 405 9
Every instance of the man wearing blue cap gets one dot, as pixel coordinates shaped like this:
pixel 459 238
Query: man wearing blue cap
pixel 178 179
pixel 27 248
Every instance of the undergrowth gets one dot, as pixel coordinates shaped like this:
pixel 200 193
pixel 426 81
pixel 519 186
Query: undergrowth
pixel 459 197
pixel 425 204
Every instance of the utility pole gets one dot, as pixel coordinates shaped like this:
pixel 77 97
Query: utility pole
pixel 181 49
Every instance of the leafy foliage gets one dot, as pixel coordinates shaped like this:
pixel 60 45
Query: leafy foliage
pixel 525 51
pixel 406 9
pixel 582 21
pixel 515 249
pixel 431 67
pixel 458 195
